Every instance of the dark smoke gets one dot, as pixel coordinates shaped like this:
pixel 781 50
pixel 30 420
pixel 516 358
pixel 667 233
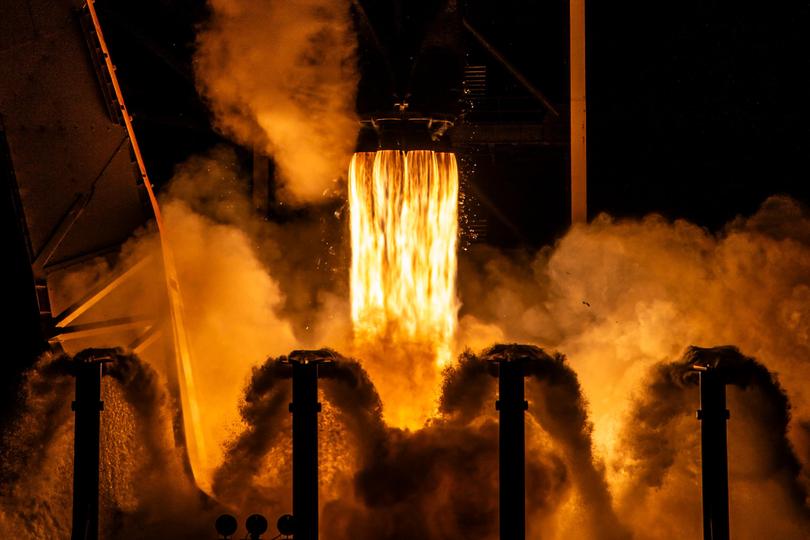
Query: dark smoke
pixel 440 482
pixel 762 402
pixel 46 395
pixel 559 407
pixel 348 388
pixel 411 484
pixel 145 489
pixel 162 481
pixel 265 414
pixel 466 387
pixel 759 448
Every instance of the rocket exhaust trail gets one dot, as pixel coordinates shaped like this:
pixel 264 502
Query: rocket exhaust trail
pixel 404 228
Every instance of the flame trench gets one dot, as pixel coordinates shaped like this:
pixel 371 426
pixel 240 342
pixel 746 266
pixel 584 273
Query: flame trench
pixel 404 228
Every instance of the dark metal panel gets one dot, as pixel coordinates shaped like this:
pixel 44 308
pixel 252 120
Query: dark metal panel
pixel 78 188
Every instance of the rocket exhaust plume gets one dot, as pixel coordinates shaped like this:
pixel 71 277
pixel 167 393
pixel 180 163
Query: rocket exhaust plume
pixel 404 228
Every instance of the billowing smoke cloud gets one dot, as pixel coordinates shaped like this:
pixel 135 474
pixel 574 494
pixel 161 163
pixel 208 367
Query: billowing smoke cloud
pixel 557 403
pixel 465 387
pixel 661 448
pixel 394 483
pixel 280 76
pixel 305 257
pixel 35 451
pixel 617 296
pixel 157 493
pixel 145 488
pixel 265 414
pixel 250 288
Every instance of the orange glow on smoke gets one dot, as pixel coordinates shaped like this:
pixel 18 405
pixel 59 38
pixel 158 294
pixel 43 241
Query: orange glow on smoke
pixel 404 228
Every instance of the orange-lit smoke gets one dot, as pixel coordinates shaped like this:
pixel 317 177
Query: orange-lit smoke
pixel 280 76
pixel 617 296
pixel 404 228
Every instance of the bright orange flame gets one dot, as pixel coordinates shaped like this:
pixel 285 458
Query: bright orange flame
pixel 404 229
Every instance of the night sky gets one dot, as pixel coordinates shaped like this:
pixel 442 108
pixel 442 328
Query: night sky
pixel 696 110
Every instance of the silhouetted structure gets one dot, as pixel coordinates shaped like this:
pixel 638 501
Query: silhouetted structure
pixel 87 406
pixel 511 450
pixel 714 453
pixel 256 525
pixel 226 525
pixel 305 409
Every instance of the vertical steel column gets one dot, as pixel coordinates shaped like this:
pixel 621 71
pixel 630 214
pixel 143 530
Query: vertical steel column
pixel 714 453
pixel 511 451
pixel 88 407
pixel 579 158
pixel 305 409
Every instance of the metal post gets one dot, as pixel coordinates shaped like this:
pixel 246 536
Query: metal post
pixel 512 452
pixel 88 407
pixel 579 161
pixel 714 453
pixel 305 409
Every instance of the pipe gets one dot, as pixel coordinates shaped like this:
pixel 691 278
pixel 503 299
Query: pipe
pixel 88 407
pixel 713 416
pixel 511 450
pixel 305 409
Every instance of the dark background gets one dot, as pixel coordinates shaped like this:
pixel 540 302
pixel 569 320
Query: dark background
pixel 696 110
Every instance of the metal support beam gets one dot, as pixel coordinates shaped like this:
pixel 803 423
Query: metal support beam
pixel 64 319
pixel 88 407
pixel 533 90
pixel 714 453
pixel 512 450
pixel 305 408
pixel 579 169
pixel 100 328
pixel 149 337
